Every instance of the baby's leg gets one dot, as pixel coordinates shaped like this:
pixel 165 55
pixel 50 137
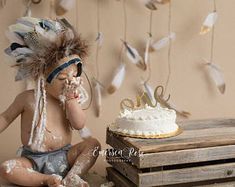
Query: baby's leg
pixel 19 171
pixel 81 157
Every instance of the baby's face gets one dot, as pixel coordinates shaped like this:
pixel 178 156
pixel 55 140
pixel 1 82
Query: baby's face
pixel 57 85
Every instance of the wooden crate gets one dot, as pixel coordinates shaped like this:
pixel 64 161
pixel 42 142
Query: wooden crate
pixel 205 151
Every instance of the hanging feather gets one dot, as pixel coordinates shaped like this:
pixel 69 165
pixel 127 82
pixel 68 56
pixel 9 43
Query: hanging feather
pixel 162 1
pixel 134 56
pixel 150 4
pixel 209 22
pixel 118 79
pixel 146 53
pixel 162 42
pixel 99 39
pixel 150 92
pixel 216 75
pixel 63 6
pixel 97 96
pixel 3 3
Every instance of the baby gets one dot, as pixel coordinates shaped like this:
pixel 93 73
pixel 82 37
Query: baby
pixel 50 112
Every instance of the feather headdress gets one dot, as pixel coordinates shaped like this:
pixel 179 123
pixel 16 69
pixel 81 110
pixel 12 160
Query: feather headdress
pixel 37 44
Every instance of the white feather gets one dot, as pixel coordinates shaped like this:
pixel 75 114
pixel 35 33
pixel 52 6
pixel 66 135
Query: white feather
pixel 146 53
pixel 14 38
pixel 217 76
pixel 117 79
pixel 21 51
pixel 98 97
pixel 20 28
pixel 150 92
pixel 209 22
pixel 49 35
pixel 63 6
pixel 163 42
pixel 67 4
pixel 134 56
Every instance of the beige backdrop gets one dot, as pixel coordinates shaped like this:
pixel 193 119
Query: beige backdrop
pixel 189 87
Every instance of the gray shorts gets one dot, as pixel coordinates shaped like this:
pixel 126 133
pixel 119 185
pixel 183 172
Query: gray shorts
pixel 52 162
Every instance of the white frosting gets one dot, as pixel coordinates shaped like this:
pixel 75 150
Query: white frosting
pixel 147 121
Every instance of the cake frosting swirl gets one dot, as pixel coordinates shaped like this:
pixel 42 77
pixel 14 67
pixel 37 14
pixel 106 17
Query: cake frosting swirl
pixel 148 121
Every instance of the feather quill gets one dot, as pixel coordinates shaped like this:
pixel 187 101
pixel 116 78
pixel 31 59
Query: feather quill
pixel 134 56
pixel 216 75
pixel 209 22
pixel 162 42
pixel 117 79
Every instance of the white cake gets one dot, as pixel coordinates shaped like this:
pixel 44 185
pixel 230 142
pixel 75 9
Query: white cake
pixel 147 122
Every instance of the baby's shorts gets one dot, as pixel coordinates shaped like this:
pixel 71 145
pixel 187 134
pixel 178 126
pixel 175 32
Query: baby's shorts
pixel 51 162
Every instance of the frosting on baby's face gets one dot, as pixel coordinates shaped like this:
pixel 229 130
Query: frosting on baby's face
pixel 66 76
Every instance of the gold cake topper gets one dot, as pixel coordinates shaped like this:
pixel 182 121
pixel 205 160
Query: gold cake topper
pixel 146 100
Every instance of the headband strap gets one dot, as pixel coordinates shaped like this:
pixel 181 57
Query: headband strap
pixel 61 67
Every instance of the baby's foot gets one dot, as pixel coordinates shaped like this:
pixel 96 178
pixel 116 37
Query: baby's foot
pixel 54 181
pixel 74 181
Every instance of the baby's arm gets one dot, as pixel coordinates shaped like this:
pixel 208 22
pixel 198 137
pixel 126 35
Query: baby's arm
pixel 75 114
pixel 12 112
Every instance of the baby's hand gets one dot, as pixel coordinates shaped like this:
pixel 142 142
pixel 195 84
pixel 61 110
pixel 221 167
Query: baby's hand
pixel 71 88
pixel 54 181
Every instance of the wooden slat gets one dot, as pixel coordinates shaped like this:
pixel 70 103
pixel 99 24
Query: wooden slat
pixel 186 156
pixel 118 179
pixel 187 175
pixel 214 133
pixel 201 174
pixel 128 170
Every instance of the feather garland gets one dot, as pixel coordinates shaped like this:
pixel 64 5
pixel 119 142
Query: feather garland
pixel 97 96
pixel 216 75
pixel 63 6
pixel 117 79
pixel 134 56
pixel 209 23
pixel 162 42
